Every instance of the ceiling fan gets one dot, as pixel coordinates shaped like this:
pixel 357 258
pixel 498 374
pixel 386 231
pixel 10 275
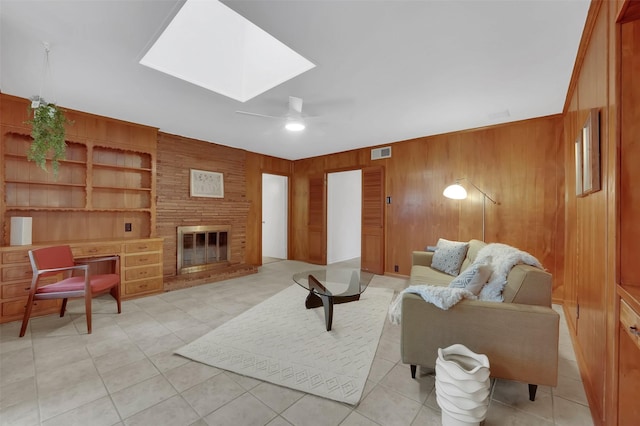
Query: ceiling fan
pixel 294 118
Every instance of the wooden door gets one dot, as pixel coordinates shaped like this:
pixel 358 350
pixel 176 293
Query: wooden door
pixel 317 226
pixel 372 252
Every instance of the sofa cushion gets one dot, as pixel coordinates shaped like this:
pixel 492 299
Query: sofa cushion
pixel 424 275
pixel 473 278
pixel 449 256
pixel 472 253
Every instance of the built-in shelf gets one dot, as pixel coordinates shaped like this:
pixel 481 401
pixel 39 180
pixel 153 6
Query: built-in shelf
pixel 98 188
pixel 120 188
pixel 45 209
pixel 22 157
pixel 37 183
pixel 631 295
pixel 112 166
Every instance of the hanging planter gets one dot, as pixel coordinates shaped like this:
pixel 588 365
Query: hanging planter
pixel 48 132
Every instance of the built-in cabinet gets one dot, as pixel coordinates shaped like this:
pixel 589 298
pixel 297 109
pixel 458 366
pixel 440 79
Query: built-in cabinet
pixel 142 267
pixel 629 366
pixel 140 272
pixel 628 288
pixel 105 187
pixel 102 202
pixel 602 284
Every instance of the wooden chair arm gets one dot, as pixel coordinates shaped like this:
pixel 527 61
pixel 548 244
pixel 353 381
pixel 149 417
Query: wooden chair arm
pixel 68 268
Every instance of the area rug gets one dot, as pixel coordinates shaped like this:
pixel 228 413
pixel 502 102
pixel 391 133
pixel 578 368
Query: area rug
pixel 282 342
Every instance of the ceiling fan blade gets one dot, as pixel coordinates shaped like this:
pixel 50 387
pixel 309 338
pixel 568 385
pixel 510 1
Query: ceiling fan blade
pixel 295 105
pixel 255 114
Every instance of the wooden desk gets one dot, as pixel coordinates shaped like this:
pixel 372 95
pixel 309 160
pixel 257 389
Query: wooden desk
pixel 140 272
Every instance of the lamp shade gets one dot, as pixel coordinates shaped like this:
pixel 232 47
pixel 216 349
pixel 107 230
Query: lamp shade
pixel 294 126
pixel 455 191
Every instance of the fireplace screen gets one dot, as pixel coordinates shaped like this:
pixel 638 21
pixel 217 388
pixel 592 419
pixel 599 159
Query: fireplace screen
pixel 201 247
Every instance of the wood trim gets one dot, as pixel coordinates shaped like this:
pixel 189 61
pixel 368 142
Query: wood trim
pixel 629 11
pixel 289 202
pixel 317 219
pixel 589 25
pixel 372 257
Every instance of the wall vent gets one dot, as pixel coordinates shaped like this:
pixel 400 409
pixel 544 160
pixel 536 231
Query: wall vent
pixel 378 153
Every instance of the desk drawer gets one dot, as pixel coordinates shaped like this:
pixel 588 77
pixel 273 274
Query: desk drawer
pixel 143 286
pixel 143 272
pixel 630 322
pixel 143 246
pixel 141 259
pixel 21 256
pixel 19 272
pixel 16 307
pixel 96 250
pixel 10 291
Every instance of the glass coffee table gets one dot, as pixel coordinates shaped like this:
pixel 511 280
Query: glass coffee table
pixel 328 287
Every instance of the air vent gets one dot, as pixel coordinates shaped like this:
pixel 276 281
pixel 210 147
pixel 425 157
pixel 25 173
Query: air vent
pixel 378 153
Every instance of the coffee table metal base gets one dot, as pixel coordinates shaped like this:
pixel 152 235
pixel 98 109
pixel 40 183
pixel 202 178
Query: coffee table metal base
pixel 326 299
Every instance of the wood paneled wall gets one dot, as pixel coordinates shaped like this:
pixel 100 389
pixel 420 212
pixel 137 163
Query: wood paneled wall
pixel 175 207
pixel 256 165
pixel 591 221
pixel 520 165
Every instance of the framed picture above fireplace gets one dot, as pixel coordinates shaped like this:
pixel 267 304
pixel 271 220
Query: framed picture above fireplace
pixel 206 184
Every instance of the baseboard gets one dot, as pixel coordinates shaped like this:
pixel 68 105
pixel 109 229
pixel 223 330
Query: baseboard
pixel 596 415
pixel 396 275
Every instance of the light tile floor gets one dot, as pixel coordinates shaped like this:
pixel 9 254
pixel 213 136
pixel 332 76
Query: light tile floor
pixel 125 371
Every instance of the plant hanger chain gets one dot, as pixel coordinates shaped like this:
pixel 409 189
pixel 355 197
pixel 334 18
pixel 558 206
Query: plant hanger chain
pixel 46 71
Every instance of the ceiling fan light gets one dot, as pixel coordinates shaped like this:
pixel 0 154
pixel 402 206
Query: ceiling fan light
pixel 295 126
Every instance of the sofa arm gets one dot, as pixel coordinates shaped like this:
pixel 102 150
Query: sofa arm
pixel 422 258
pixel 521 341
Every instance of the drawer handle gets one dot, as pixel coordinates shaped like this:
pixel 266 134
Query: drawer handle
pixel 143 259
pixel 93 250
pixel 144 286
pixel 634 330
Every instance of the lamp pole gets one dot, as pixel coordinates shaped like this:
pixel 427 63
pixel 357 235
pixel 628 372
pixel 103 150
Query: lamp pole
pixel 484 204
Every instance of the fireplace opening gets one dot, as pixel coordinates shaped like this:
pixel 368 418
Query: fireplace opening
pixel 201 247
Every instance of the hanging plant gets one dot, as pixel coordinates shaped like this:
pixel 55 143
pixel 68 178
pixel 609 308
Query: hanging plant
pixel 48 133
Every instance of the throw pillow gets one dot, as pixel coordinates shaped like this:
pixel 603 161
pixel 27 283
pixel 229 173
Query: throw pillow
pixel 473 278
pixel 449 256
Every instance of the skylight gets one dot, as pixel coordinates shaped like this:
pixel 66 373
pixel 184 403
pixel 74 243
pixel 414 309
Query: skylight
pixel 214 47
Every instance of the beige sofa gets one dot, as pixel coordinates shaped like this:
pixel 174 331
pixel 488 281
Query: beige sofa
pixel 519 335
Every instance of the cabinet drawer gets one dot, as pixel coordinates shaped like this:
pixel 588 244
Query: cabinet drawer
pixel 10 291
pixel 142 272
pixel 18 272
pixel 141 259
pixel 630 322
pixel 143 286
pixel 143 246
pixel 96 250
pixel 21 256
pixel 16 307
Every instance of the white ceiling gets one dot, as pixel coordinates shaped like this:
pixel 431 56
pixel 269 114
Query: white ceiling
pixel 385 71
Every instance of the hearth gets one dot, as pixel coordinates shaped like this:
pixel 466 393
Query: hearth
pixel 201 247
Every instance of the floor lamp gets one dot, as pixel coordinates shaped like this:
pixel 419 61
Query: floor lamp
pixel 457 192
